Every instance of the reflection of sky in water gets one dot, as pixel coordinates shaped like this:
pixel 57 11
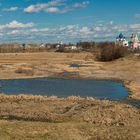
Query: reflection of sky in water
pixel 65 87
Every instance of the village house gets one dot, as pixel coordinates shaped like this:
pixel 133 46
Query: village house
pixel 71 47
pixel 42 45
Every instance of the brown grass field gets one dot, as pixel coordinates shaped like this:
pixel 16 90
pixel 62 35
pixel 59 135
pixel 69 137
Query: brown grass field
pixel 50 118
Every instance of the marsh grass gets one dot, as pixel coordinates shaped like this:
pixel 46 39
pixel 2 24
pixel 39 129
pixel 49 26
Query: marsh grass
pixel 27 71
pixel 73 118
pixel 21 130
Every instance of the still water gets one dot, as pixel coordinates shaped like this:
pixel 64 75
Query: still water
pixel 65 87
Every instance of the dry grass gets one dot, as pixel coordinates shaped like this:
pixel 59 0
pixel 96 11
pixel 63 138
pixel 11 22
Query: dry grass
pixel 21 130
pixel 54 109
pixel 25 71
pixel 73 118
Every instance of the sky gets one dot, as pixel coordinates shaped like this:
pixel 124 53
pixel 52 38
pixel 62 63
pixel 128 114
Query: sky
pixel 49 21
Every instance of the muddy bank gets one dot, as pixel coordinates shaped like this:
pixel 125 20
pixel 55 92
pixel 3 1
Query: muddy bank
pixel 133 88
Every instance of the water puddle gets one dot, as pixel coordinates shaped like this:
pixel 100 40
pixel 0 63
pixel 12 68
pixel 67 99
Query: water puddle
pixel 101 89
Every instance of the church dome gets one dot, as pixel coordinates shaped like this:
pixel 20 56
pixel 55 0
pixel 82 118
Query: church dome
pixel 121 36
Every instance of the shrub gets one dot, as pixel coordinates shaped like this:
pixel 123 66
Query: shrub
pixel 24 71
pixel 111 53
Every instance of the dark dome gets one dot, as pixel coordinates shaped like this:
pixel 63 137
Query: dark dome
pixel 121 35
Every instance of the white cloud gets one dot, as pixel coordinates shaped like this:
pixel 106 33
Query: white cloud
pixel 14 32
pixel 137 15
pixel 69 33
pixel 51 6
pixel 36 30
pixel 55 6
pixel 85 30
pixel 53 10
pixel 36 8
pixel 81 5
pixel 11 9
pixel 135 26
pixel 57 2
pixel 15 24
pixel 97 29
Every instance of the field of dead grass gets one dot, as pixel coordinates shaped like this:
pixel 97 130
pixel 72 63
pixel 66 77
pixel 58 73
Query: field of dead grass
pixel 72 118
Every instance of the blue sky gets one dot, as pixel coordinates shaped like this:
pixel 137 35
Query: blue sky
pixel 67 20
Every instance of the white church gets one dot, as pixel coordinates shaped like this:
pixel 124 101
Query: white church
pixel 134 42
pixel 121 41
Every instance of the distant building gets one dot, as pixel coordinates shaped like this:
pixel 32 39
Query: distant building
pixel 134 43
pixel 73 47
pixel 121 41
pixel 42 45
pixel 25 46
pixel 59 45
